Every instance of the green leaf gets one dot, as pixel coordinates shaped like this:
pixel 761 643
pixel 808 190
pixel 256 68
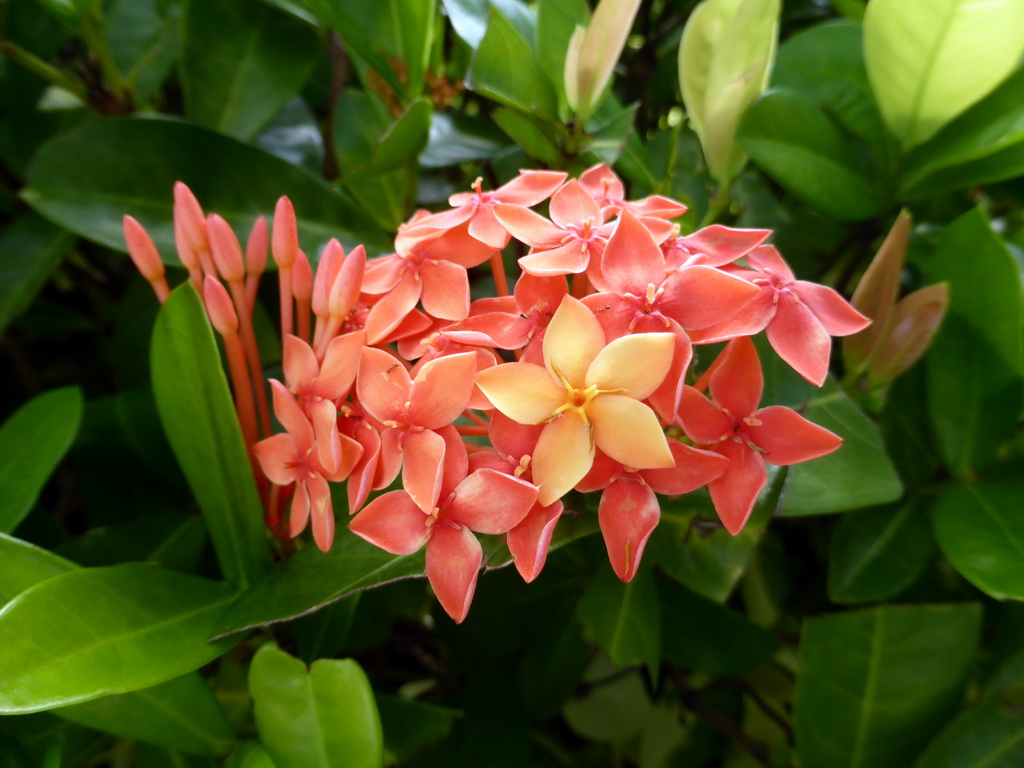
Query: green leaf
pixel 796 143
pixel 983 145
pixel 312 579
pixel 859 474
pixel 33 441
pixel 403 139
pixel 469 18
pixel 23 565
pixel 529 133
pixel 980 531
pixel 614 706
pixel 181 714
pixel 143 37
pixel 623 619
pixel 241 62
pixel 974 387
pixel 250 754
pixel 199 419
pixel 989 734
pixel 504 68
pixel 456 138
pixel 408 725
pixel 30 247
pixel 155 626
pixel 325 716
pixel 698 633
pixel 875 684
pixel 876 553
pixel 556 21
pixel 929 60
pixel 88 178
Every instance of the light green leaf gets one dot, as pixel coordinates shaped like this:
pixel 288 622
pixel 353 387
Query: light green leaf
pixel 235 83
pixel 875 684
pixel 929 60
pixel 23 565
pixel 556 21
pixel 528 133
pixel 199 419
pixel 250 754
pixel 974 386
pixel 316 718
pixel 122 628
pixel 623 619
pixel 469 19
pixel 33 441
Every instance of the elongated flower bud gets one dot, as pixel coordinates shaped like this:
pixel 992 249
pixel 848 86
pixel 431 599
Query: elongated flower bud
pixel 256 248
pixel 189 214
pixel 345 291
pixel 302 278
pixel 285 242
pixel 142 250
pixel 219 307
pixel 227 253
pixel 326 272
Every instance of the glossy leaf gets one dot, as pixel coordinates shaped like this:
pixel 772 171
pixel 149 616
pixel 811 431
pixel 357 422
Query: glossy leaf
pixel 623 619
pixel 236 83
pixel 143 37
pixel 23 565
pixel 320 717
pixel 523 86
pixel 556 21
pixel 199 419
pixel 875 684
pixel 312 579
pixel 528 133
pixel 409 724
pixel 974 365
pixel 181 714
pixel 859 474
pixel 79 179
pixel 469 18
pixel 980 531
pixel 30 247
pixel 929 60
pixel 249 754
pixel 156 624
pixel 455 138
pixel 807 152
pixel 294 136
pixel 33 441
pixel 876 553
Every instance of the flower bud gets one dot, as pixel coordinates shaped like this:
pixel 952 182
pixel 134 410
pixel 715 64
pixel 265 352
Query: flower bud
pixel 227 253
pixel 302 278
pixel 188 214
pixel 219 307
pixel 285 242
pixel 256 248
pixel 142 250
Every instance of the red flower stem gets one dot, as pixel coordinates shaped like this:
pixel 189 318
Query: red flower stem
pixel 252 287
pixel 303 319
pixel 498 270
pixel 579 285
pixel 474 448
pixel 245 407
pixel 471 430
pixel 252 352
pixel 161 289
pixel 284 279
pixel 273 516
pixel 476 418
pixel 196 276
pixel 330 330
pixel 206 259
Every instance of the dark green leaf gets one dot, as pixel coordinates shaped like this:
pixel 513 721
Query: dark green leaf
pixel 23 565
pixel 324 716
pixel 859 474
pixel 33 441
pixel 529 133
pixel 294 136
pixel 980 531
pixel 623 619
pixel 154 626
pixel 173 541
pixel 235 82
pixel 199 419
pixel 796 143
pixel 556 21
pixel 505 69
pixel 974 365
pixel 87 179
pixel 311 579
pixel 456 138
pixel 408 725
pixel 876 553
pixel 143 37
pixel 181 714
pixel 29 249
pixel 613 706
pixel 698 633
pixel 875 684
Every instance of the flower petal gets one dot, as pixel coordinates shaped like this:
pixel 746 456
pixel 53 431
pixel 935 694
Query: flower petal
pixel 530 540
pixel 565 451
pixel 445 290
pixel 628 514
pixel 528 227
pixel 800 339
pixel 341 363
pixel 422 464
pixel 322 512
pixel 383 384
pixel 723 245
pixel 632 260
pixel 569 258
pixel 694 468
pixel 700 297
pixel 530 187
pixel 441 390
pixel 486 228
pixel 572 341
pixel 737 382
pixel 701 419
pixel 393 307
pixel 634 365
pixel 453 565
pixel 300 364
pixel 735 491
pixel 522 391
pixel 491 502
pixel 789 438
pixel 834 312
pixel 291 417
pixel 572 204
pixel 298 516
pixel 629 432
pixel 392 522
pixel 278 458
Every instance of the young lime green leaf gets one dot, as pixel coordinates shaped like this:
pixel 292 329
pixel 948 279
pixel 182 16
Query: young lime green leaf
pixel 30 247
pixel 84 180
pixel 23 565
pixel 180 714
pixel 980 531
pixel 155 627
pixel 199 419
pixel 974 388
pixel 557 20
pixel 250 754
pixel 317 718
pixel 929 60
pixel 33 441
pixel 236 83
pixel 876 553
pixel 725 61
pixel 915 320
pixel 623 619
pixel 614 709
pixel 592 53
pixel 855 706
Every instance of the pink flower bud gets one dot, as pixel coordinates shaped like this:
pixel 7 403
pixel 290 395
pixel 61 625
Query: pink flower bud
pixel 189 214
pixel 302 278
pixel 219 307
pixel 326 272
pixel 142 250
pixel 186 253
pixel 256 248
pixel 285 241
pixel 227 253
pixel 345 290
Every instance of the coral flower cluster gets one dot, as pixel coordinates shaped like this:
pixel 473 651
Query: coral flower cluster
pixel 495 411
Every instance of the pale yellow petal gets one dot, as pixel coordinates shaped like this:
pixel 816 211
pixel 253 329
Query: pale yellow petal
pixel 564 454
pixel 572 341
pixel 629 432
pixel 633 365
pixel 522 391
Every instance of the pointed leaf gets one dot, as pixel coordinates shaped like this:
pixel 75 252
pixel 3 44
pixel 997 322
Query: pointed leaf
pixel 29 249
pixel 623 619
pixel 23 565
